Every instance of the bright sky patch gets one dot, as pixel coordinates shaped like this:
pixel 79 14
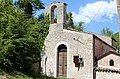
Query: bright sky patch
pixel 99 11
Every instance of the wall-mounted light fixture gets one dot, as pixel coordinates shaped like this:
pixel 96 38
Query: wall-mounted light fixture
pixel 78 61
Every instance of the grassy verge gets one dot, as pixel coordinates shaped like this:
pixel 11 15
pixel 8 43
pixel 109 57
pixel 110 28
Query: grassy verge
pixel 19 75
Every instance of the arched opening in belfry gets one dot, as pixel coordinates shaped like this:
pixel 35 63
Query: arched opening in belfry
pixel 62 61
pixel 54 13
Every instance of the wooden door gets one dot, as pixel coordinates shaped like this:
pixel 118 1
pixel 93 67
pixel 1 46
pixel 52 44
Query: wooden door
pixel 62 63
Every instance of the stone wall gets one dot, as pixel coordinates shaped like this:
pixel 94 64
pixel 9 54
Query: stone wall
pixel 3 77
pixel 77 44
pixel 105 61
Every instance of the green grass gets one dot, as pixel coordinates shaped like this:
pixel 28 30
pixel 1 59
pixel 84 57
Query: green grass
pixel 19 75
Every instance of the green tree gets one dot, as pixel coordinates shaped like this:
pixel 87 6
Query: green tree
pixel 69 21
pixel 21 38
pixel 6 1
pixel 30 6
pixel 116 36
pixel 70 24
pixel 79 27
pixel 106 31
pixel 109 32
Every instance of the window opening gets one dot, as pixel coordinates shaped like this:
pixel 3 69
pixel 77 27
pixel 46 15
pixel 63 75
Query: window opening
pixel 111 62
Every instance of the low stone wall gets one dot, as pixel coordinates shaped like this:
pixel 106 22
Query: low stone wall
pixel 3 77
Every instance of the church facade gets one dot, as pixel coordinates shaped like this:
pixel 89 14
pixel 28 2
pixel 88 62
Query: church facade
pixel 77 55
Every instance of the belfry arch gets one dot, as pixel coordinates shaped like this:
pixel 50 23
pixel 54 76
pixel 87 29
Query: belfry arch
pixel 54 14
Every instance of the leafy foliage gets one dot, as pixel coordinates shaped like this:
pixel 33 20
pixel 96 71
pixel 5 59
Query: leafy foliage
pixel 6 1
pixel 107 32
pixel 30 5
pixel 69 21
pixel 21 38
pixel 70 24
pixel 79 27
pixel 116 36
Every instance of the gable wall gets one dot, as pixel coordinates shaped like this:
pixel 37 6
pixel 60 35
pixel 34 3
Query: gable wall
pixel 107 75
pixel 104 64
pixel 105 61
pixel 83 48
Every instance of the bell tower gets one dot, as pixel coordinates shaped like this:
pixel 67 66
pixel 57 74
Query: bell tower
pixel 57 14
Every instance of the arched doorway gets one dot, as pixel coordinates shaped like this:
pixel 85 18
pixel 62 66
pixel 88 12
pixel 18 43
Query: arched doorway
pixel 62 61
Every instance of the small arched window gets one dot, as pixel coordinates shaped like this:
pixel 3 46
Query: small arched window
pixel 111 62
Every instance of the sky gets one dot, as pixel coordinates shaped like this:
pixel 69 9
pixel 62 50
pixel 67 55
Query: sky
pixel 97 14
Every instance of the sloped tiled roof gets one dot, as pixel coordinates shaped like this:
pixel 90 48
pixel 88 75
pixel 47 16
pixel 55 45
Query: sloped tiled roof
pixel 108 53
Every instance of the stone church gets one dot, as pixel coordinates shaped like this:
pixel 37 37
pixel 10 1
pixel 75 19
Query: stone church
pixel 77 55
